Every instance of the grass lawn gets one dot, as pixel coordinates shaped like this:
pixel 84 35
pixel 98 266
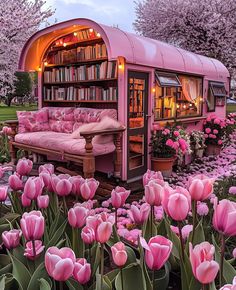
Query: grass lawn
pixel 231 108
pixel 9 113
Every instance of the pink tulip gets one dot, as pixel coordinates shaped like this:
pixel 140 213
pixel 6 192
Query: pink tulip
pixel 186 230
pixel 76 182
pixel 77 216
pixel 88 188
pixel 24 166
pixel 3 193
pixel 15 182
pixel 204 267
pixel 153 193
pixel 157 251
pixel 88 235
pixel 43 201
pixel 224 217
pixel 47 180
pixel 11 239
pixel 47 168
pixel 59 263
pixel 82 271
pixel 232 190
pixel 102 226
pixel 139 215
pixel 61 186
pixel 152 175
pixel 200 187
pixel 6 130
pixel 29 251
pixel 119 254
pixel 33 187
pixel 176 203
pixel 26 202
pixel 230 286
pixel 119 196
pixel 32 225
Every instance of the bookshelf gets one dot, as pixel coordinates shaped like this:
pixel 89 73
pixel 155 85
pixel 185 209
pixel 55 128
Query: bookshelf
pixel 77 71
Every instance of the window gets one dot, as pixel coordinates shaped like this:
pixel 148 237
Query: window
pixel 177 96
pixel 216 95
pixel 167 80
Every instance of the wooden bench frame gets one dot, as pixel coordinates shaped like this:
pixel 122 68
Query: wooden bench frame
pixel 87 161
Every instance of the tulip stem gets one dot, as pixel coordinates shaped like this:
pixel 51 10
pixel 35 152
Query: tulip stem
pixel 152 211
pixel 194 211
pixel 153 279
pixel 116 218
pixel 222 254
pixel 61 285
pixel 102 264
pixel 181 240
pixel 122 281
pixel 64 204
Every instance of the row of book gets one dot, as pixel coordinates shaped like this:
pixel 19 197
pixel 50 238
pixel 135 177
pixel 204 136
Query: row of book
pixel 104 70
pixel 93 93
pixel 78 54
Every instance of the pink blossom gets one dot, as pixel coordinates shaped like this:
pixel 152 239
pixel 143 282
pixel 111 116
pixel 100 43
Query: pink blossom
pixel 208 130
pixel 202 209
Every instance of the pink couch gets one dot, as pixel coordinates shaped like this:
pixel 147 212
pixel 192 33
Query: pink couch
pixel 48 131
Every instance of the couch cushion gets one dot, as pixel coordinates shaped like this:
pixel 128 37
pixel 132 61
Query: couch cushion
pixel 88 115
pixel 33 121
pixel 62 142
pixel 61 119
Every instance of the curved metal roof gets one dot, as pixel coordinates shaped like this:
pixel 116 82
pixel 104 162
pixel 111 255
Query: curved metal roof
pixel 134 48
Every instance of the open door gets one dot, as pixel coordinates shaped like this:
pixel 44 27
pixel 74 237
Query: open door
pixel 137 123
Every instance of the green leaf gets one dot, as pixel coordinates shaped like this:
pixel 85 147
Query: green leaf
pixel 228 270
pixel 44 285
pixel 2 282
pixel 5 264
pixel 20 272
pixel 162 278
pixel 106 283
pixel 96 257
pixel 40 272
pixel 131 256
pixel 8 282
pixel 199 235
pixel 57 235
pixel 132 278
pixel 173 237
pixel 112 275
pixel 73 285
pixel 149 229
pixel 194 284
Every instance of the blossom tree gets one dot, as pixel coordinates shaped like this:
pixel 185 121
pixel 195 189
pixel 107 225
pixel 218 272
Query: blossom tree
pixel 205 27
pixel 19 19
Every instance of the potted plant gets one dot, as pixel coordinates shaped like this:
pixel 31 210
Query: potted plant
pixel 166 143
pixel 197 139
pixel 214 133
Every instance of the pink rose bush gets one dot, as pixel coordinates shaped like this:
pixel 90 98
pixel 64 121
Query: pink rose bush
pixel 215 130
pixel 56 223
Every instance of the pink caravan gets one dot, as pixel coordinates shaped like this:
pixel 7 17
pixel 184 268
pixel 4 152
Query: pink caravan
pixel 154 82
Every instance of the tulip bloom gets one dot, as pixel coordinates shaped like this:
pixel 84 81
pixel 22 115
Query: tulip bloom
pixel 3 193
pixel 204 267
pixel 119 196
pixel 104 231
pixel 76 182
pixel 47 168
pixel 77 216
pixel 11 239
pixel 59 263
pixel 200 187
pixel 157 251
pixel 32 225
pixel 153 193
pixel 224 217
pixel 230 286
pixel 24 166
pixel 153 175
pixel 29 251
pixel 88 188
pixel 33 187
pixel 119 254
pixel 82 271
pixel 26 202
pixel 43 201
pixel 61 186
pixel 15 182
pixel 139 215
pixel 176 203
pixel 88 235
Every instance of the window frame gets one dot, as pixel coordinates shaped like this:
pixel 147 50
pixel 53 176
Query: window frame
pixel 211 90
pixel 177 74
pixel 158 74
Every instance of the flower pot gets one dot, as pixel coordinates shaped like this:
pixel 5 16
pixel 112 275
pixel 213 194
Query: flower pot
pixel 212 150
pixel 199 152
pixel 163 164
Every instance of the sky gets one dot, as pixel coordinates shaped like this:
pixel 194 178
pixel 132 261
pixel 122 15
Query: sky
pixel 109 12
